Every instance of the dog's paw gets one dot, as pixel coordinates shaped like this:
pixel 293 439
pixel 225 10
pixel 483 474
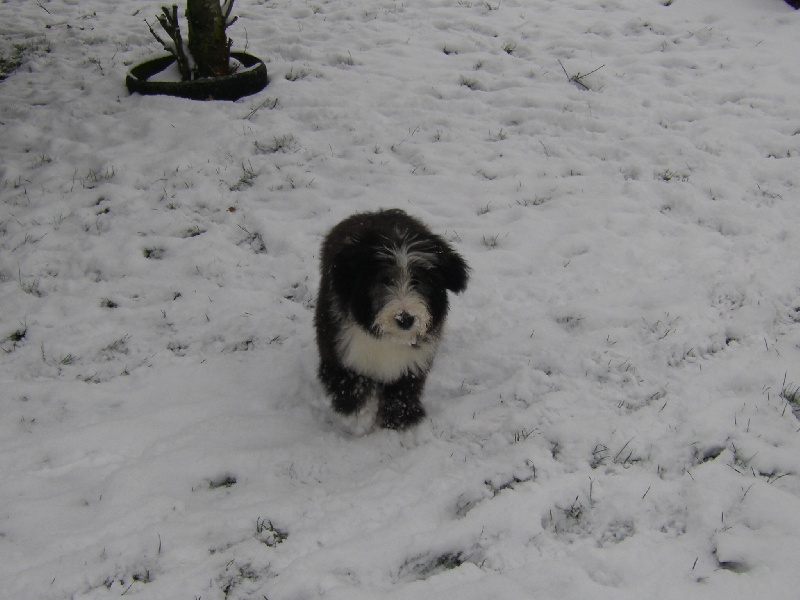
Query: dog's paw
pixel 401 414
pixel 363 420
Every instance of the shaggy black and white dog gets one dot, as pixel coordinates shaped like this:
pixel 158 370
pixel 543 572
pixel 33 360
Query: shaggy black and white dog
pixel 379 316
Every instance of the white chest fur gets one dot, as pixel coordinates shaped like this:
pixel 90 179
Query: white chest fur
pixel 381 359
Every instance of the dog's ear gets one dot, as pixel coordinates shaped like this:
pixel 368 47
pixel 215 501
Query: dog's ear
pixel 347 267
pixel 453 269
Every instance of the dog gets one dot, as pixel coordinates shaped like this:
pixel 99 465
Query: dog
pixel 379 316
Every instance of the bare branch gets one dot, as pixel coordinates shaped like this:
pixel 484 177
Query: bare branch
pixel 227 7
pixel 169 23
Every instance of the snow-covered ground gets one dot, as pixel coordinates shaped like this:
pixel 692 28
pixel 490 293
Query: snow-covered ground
pixel 613 411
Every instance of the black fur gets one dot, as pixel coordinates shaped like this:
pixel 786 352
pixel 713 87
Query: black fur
pixel 380 311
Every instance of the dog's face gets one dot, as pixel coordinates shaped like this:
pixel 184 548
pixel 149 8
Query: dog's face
pixel 395 285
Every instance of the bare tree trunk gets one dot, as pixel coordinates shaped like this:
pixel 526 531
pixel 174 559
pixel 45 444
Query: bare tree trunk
pixel 208 42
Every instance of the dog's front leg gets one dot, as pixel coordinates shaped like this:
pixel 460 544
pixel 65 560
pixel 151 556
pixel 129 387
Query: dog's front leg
pixel 352 396
pixel 399 405
pixel 349 391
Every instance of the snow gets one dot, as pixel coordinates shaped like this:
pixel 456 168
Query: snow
pixel 612 409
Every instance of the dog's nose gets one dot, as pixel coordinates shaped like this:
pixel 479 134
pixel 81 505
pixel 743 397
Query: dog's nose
pixel 405 320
